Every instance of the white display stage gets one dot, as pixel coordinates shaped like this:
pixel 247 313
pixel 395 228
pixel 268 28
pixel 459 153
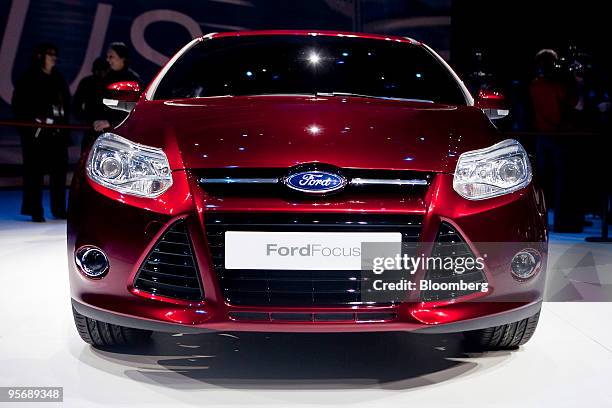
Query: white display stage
pixel 568 363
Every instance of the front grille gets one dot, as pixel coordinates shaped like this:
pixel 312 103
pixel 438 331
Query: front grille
pixel 450 244
pixel 170 268
pixel 265 182
pixel 246 287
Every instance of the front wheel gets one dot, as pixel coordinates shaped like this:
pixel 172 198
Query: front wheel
pixel 102 334
pixel 505 337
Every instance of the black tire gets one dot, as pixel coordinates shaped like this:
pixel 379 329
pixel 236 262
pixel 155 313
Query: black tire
pixel 102 334
pixel 504 337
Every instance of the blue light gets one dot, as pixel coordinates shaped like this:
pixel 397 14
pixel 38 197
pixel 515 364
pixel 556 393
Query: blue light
pixel 345 54
pixel 419 75
pixel 249 74
pixel 340 62
pixel 408 158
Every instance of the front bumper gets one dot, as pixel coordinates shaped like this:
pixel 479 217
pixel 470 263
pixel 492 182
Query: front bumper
pixel 511 313
pixel 515 220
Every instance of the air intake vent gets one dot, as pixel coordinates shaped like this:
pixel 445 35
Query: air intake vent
pixel 449 243
pixel 170 269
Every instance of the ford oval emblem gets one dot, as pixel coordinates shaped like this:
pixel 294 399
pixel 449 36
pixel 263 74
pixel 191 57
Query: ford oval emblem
pixel 315 181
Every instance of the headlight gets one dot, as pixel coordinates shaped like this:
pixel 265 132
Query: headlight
pixel 493 171
pixel 129 167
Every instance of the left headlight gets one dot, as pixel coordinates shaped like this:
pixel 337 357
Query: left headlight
pixel 493 171
pixel 128 167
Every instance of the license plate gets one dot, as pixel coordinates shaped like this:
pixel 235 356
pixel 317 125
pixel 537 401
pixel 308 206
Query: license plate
pixel 299 250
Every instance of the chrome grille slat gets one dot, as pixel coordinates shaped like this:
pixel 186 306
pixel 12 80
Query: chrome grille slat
pixel 169 275
pixel 159 285
pixel 356 181
pixel 270 181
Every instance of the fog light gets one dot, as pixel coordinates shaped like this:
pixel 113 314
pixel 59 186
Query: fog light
pixel 92 261
pixel 525 263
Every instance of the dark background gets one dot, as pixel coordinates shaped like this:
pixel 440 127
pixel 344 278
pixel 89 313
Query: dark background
pixel 508 33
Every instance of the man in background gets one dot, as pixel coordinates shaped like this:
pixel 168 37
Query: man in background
pixel 554 97
pixel 88 105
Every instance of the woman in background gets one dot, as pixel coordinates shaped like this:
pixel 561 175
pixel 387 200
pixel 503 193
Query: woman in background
pixel 41 95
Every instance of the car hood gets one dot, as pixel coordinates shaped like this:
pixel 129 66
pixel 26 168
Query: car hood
pixel 284 131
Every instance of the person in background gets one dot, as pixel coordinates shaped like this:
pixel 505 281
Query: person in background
pixel 553 98
pixel 88 106
pixel 41 95
pixel 118 58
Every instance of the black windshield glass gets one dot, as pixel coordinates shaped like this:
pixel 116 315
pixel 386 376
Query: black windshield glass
pixel 256 65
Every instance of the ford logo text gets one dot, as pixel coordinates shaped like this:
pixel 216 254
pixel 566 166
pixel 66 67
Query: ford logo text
pixel 316 181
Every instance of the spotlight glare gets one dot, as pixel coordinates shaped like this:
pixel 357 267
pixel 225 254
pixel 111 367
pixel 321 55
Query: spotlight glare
pixel 314 58
pixel 314 129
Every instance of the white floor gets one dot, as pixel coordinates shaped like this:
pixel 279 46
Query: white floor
pixel 568 363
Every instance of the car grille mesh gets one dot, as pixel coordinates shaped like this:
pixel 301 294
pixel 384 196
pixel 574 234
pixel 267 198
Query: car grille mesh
pixel 298 287
pixel 449 243
pixel 170 269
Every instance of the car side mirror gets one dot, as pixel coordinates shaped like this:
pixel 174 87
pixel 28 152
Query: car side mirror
pixel 122 95
pixel 492 103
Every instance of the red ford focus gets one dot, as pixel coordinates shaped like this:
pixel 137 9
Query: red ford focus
pixel 251 180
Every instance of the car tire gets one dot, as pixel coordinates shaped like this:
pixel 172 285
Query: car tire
pixel 504 337
pixel 101 334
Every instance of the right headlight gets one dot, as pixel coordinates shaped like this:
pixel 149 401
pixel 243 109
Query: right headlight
pixel 492 171
pixel 127 167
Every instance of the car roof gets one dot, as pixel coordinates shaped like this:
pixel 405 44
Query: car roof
pixel 314 33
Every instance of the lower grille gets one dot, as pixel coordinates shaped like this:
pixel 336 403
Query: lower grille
pixel 170 269
pixel 449 243
pixel 247 287
pixel 369 317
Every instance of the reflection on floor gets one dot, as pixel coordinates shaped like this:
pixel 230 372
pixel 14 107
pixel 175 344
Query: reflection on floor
pixel 567 363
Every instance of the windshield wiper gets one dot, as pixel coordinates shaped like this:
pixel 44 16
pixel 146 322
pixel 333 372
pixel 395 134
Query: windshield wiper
pixel 372 96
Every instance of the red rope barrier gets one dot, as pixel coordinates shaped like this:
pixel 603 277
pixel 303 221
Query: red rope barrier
pixel 16 123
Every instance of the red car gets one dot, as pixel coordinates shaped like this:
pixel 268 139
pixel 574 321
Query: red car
pixel 243 189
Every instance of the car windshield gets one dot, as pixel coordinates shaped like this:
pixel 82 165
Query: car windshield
pixel 310 65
